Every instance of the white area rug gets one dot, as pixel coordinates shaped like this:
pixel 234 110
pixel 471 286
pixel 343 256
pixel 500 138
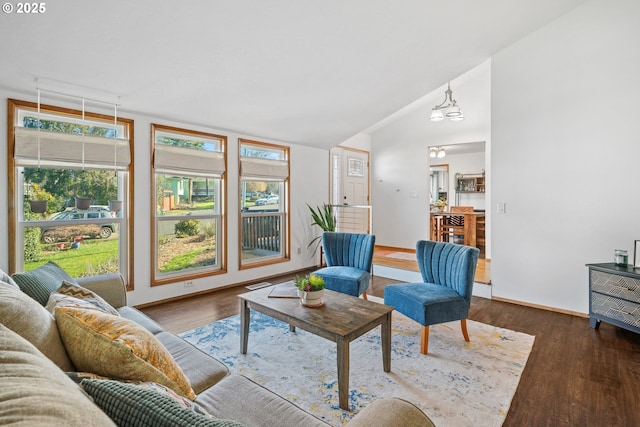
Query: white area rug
pixel 456 384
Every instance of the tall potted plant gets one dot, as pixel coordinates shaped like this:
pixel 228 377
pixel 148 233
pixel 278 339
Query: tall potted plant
pixel 324 217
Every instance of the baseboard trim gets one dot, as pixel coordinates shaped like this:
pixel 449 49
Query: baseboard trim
pixel 541 307
pixel 482 290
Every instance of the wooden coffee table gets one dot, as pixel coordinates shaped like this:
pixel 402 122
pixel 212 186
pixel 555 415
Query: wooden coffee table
pixel 342 319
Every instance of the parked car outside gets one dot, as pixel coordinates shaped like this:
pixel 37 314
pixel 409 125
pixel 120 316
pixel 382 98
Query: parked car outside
pixel 53 234
pixel 274 199
pixel 92 208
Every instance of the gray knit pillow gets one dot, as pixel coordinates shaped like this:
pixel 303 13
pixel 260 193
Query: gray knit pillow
pixel 42 281
pixel 131 406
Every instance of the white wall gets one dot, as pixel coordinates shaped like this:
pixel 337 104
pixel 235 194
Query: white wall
pixel 400 157
pixel 566 153
pixel 309 184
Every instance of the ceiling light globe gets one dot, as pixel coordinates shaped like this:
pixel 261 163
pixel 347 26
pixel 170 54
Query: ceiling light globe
pixel 436 116
pixel 454 111
pixel 441 153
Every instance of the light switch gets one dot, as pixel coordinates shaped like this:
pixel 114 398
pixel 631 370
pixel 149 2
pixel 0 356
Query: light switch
pixel 502 208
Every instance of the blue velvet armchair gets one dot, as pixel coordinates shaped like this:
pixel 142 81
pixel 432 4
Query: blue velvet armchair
pixel 349 258
pixel 448 271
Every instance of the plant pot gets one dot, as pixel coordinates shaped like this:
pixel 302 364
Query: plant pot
pixel 311 299
pixel 115 205
pixel 83 202
pixel 38 206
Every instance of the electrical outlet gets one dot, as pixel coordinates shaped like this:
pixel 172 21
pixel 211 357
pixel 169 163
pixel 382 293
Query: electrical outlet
pixel 188 283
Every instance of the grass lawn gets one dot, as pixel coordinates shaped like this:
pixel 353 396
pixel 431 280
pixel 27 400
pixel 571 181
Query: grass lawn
pixel 197 206
pixel 183 261
pixel 92 257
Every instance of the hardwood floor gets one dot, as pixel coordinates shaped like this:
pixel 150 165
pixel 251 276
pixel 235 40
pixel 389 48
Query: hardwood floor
pixel 575 375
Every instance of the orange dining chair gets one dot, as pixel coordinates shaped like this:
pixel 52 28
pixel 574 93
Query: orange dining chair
pixel 452 229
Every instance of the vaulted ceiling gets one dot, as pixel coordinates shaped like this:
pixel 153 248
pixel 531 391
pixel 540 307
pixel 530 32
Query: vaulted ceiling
pixel 300 71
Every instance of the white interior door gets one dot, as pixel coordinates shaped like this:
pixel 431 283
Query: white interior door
pixel 350 189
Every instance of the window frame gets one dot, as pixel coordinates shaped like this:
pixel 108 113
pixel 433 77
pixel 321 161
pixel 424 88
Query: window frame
pixel 15 220
pixel 284 205
pixel 219 214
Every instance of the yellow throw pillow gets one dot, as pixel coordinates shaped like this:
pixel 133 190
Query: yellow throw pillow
pixel 119 348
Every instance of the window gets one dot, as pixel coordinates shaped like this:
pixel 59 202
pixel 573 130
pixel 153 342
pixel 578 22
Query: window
pixel 188 187
pixel 77 165
pixel 264 181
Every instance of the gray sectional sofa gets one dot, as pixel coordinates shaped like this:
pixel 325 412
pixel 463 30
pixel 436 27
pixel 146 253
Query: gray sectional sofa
pixel 41 384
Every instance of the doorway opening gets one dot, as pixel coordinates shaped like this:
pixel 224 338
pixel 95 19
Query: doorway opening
pixel 460 180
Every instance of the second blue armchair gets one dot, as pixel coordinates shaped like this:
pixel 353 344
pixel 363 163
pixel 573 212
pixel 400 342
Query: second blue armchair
pixel 448 271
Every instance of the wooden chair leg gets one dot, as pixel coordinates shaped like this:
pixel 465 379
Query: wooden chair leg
pixel 465 334
pixel 364 296
pixel 424 340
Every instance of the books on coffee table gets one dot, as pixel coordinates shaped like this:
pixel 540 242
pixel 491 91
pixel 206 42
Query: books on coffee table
pixel 284 290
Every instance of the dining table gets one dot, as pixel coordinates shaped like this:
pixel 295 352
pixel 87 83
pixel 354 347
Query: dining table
pixel 441 221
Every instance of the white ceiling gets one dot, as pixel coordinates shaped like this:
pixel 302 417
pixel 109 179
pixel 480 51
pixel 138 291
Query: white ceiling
pixel 307 72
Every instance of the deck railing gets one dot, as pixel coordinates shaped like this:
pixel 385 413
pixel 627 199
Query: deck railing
pixel 262 231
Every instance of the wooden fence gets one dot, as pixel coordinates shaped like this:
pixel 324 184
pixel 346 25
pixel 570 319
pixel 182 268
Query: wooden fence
pixel 262 231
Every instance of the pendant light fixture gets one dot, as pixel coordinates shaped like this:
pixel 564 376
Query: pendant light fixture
pixel 453 112
pixel 437 152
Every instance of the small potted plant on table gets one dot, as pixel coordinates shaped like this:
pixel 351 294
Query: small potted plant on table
pixel 310 290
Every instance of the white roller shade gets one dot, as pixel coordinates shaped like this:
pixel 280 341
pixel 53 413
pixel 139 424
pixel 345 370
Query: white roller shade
pixel 188 161
pixel 65 149
pixel 254 167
